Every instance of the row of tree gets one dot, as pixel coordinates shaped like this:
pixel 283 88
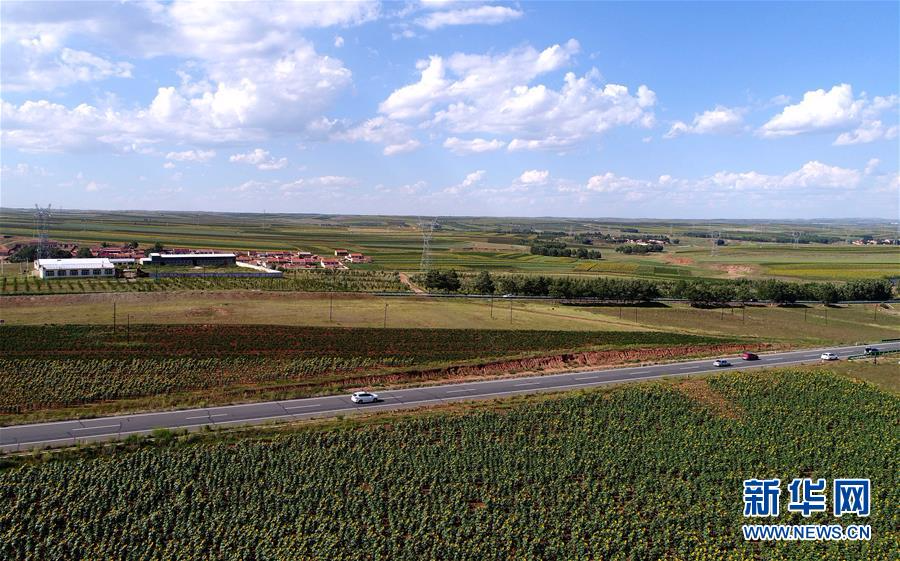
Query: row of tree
pixel 698 292
pixel 639 249
pixel 555 251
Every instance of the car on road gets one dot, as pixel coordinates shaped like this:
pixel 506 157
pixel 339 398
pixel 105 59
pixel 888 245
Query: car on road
pixel 364 397
pixel 508 296
pixel 872 350
pixel 750 356
pixel 829 356
pixel 721 362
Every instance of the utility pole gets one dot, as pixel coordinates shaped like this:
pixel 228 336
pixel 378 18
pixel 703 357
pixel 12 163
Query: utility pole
pixel 492 306
pixel 114 317
pixel 510 311
pixel 128 330
pixel 385 316
pixel 330 307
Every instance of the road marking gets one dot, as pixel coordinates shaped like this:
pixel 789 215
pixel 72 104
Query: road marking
pixel 208 416
pixel 588 378
pixel 99 427
pixel 303 406
pixel 527 384
pixel 460 391
pixel 686 367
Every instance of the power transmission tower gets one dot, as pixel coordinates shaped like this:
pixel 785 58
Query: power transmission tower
pixel 714 249
pixel 427 227
pixel 41 227
pixel 795 238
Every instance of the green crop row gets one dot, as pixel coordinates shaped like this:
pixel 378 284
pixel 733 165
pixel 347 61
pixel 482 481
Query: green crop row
pixel 642 472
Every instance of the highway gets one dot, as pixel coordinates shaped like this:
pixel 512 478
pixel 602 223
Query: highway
pixel 67 433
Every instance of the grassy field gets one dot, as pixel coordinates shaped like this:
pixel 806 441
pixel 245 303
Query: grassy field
pixel 493 244
pixel 812 325
pixel 646 471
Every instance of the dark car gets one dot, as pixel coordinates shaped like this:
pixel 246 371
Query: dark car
pixel 872 350
pixel 750 356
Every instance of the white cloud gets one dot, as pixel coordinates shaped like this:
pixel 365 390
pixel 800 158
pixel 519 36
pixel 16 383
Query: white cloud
pixel 473 146
pixel 872 166
pixel 481 15
pixel 534 177
pixel 612 183
pixel 250 74
pixel 812 177
pixel 490 94
pixel 192 156
pixel 259 158
pixel 169 165
pixel 396 136
pixel 403 147
pixel 338 41
pixel 471 180
pixel 720 120
pixel 329 181
pixel 868 131
pixel 836 110
pixel 23 170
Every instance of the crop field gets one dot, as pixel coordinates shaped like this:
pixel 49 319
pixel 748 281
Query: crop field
pixel 807 325
pixel 654 470
pixel 50 367
pixel 471 244
pixel 310 281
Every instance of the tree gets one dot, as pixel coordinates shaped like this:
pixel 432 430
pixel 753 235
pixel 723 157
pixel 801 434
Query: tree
pixel 158 247
pixel 484 284
pixel 134 245
pixel 84 253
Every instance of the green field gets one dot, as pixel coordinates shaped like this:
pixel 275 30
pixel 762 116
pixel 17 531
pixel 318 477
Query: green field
pixel 639 472
pixel 801 325
pixel 497 244
pixel 83 370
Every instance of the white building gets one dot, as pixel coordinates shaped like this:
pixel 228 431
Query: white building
pixel 66 268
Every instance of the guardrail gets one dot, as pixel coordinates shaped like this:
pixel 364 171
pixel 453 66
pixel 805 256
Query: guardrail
pixel 873 355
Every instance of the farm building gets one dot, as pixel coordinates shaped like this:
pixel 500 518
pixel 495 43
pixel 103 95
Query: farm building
pixel 191 259
pixel 56 268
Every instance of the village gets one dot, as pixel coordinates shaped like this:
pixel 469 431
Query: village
pixel 104 256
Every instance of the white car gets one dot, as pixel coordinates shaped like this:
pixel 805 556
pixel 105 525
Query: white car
pixel 364 397
pixel 721 362
pixel 829 356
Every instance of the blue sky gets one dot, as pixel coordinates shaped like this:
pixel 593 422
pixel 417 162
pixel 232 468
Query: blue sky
pixel 670 110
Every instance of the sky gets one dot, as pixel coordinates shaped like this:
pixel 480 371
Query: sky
pixel 620 109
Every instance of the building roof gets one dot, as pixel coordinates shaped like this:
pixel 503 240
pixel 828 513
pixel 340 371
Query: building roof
pixel 191 255
pixel 57 264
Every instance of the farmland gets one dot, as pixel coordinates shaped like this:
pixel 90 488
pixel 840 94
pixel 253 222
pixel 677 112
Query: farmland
pixel 801 325
pixel 500 245
pixel 653 470
pixel 48 368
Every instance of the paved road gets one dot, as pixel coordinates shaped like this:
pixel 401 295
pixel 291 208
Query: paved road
pixel 62 433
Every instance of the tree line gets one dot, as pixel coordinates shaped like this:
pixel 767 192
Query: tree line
pixel 698 292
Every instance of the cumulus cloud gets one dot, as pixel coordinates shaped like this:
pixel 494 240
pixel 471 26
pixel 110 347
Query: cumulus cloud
pixel 473 146
pixel 836 110
pixel 720 120
pixel 812 177
pixel 338 41
pixel 251 75
pixel 396 136
pixel 494 95
pixel 480 15
pixel 534 177
pixel 192 156
pixel 259 158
